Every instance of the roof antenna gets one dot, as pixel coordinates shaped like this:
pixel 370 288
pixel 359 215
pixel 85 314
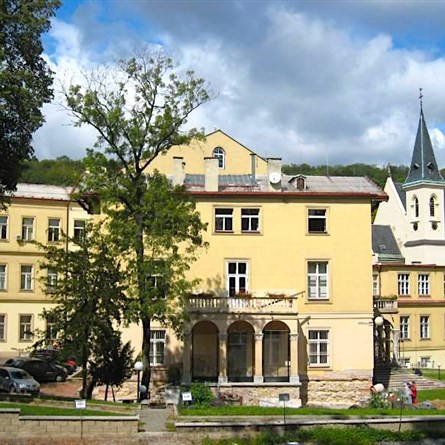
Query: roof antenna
pixel 420 98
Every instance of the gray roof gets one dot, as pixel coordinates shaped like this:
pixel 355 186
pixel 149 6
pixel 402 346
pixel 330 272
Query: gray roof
pixel 384 244
pixel 401 193
pixel 314 184
pixel 42 191
pixel 423 166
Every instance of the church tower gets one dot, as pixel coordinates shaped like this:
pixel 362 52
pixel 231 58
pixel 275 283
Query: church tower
pixel 424 188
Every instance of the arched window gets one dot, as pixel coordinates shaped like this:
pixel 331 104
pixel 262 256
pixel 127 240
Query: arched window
pixel 416 207
pixel 219 153
pixel 432 205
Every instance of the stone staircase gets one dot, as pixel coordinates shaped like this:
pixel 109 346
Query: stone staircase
pixel 394 378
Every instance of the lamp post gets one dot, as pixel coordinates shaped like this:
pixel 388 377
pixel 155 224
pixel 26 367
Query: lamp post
pixel 138 367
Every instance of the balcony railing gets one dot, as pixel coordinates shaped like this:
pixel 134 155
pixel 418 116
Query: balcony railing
pixel 386 306
pixel 241 304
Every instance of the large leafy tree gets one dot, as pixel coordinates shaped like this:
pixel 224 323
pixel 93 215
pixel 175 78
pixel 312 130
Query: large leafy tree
pixel 85 283
pixel 25 82
pixel 139 108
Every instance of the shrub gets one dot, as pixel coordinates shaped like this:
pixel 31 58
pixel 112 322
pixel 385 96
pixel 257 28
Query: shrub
pixel 201 394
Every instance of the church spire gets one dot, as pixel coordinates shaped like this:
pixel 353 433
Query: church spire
pixel 423 166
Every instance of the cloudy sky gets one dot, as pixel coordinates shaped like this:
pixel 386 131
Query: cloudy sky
pixel 315 81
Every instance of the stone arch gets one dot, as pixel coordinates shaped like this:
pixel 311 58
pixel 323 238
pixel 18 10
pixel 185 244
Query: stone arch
pixel 240 352
pixel 276 351
pixel 205 347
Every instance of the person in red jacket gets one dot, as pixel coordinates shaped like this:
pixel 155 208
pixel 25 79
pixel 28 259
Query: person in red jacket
pixel 413 389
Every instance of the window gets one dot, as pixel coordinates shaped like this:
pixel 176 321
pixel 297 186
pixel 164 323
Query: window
pixel 424 284
pixel 3 282
pixel 157 347
pixel 3 227
pixel 237 282
pixel 416 207
pixel 424 326
pixel 223 220
pixel 220 154
pixel 432 206
pixel 318 341
pixel 403 283
pixel 54 229
pixel 26 277
pixel 27 229
pixel 404 327
pixel 51 331
pixel 425 362
pixel 79 229
pixel 25 328
pixel 51 280
pixel 375 284
pixel 317 220
pixel 2 327
pixel 317 279
pixel 250 220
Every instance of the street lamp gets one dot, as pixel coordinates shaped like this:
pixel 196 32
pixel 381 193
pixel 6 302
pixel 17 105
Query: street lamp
pixel 138 367
pixel 378 321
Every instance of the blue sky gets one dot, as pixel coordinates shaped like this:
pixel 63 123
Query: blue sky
pixel 309 81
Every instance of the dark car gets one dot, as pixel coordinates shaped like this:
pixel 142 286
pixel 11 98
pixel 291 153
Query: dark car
pixel 17 380
pixel 41 370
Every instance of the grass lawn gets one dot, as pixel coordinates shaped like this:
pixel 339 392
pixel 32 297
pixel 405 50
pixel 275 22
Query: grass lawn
pixel 30 409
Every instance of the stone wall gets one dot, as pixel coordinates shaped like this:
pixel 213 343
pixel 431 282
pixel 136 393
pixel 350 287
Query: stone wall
pixel 12 425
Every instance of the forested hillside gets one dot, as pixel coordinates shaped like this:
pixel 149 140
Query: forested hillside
pixel 66 171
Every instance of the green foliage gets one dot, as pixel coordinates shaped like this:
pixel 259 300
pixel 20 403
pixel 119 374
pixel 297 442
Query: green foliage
pixel 60 171
pixel 324 436
pixel 378 400
pixel 202 395
pixel 89 295
pixel 25 82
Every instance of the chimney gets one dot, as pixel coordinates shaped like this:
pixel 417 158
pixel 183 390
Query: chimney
pixel 253 166
pixel 274 174
pixel 178 170
pixel 211 174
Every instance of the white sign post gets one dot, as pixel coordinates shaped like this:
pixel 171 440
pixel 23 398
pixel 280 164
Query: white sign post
pixel 80 404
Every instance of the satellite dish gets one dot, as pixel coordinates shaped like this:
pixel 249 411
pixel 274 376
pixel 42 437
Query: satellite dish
pixel 274 178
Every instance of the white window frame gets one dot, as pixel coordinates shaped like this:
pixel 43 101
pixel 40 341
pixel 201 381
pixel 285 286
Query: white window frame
pixel 50 332
pixel 54 230
pixel 237 282
pixel 250 220
pixel 223 219
pixel 318 347
pixel 27 228
pixel 220 154
pixel 3 325
pixel 51 279
pixel 317 281
pixel 424 322
pixel 423 281
pixel 405 327
pixel 432 206
pixel 4 227
pixel 26 327
pixel 26 277
pixel 78 229
pixel 314 216
pixel 157 347
pixel 425 362
pixel 403 283
pixel 3 276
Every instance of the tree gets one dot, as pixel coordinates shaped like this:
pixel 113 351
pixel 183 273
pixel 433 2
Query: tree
pixel 88 293
pixel 139 114
pixel 25 82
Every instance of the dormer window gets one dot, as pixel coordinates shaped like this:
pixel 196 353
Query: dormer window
pixel 220 154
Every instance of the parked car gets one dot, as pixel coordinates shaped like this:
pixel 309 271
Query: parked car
pixel 54 356
pixel 17 380
pixel 41 370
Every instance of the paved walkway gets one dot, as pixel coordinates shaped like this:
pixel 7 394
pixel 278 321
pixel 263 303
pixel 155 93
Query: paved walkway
pixel 153 419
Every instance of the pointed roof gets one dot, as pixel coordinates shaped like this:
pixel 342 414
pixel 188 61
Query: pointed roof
pixel 423 164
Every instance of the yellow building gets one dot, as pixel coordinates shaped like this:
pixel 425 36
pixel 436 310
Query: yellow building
pixel 285 301
pixel 37 213
pixel 409 270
